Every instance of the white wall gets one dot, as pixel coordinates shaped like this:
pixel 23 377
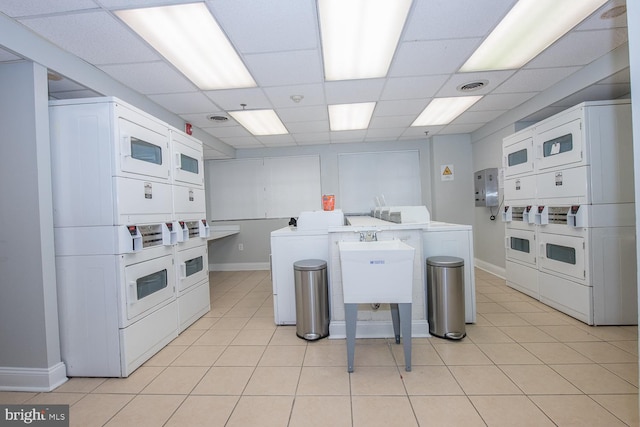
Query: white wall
pixel 29 339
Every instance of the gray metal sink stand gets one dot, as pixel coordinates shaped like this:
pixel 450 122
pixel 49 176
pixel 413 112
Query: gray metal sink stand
pixel 401 319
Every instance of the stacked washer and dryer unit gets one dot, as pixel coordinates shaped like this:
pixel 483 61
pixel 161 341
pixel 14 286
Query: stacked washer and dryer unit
pixel 569 212
pixel 130 234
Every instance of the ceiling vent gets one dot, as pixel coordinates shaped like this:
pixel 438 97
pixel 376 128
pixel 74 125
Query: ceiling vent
pixel 217 119
pixel 471 86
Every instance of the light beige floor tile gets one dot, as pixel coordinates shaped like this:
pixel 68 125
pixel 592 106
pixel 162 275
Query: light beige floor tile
pixel 628 346
pixel 568 333
pixel 97 409
pixel 230 381
pixel 373 411
pixel 490 307
pixel 594 379
pixel 273 381
pixel 450 411
pixel 203 411
pixel 483 380
pixel 462 354
pixel 505 319
pixel 623 406
pixel 204 323
pixel 217 337
pixel 524 334
pixel 483 298
pixel 263 323
pixel 80 385
pixel 286 335
pixel 323 381
pixel 265 312
pixel 509 354
pixel 176 380
pixel 165 356
pixel 507 297
pixel 241 312
pixel 236 323
pixel 376 355
pixel 328 355
pixel 510 411
pixel 482 321
pixel 486 334
pixel 133 384
pixel 321 411
pixel 263 411
pixel 240 355
pixel 431 380
pixel 375 381
pixel 578 411
pixel 187 337
pixel 146 410
pixel 626 371
pixel 199 355
pixel 420 355
pixel 253 337
pixel 521 307
pixel 555 353
pixel 602 352
pixel 54 398
pixel 15 397
pixel 613 333
pixel 283 355
pixel 538 379
pixel 543 318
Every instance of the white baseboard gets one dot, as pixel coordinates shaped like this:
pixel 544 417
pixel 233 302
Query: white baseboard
pixel 240 266
pixel 501 272
pixel 32 379
pixel 376 329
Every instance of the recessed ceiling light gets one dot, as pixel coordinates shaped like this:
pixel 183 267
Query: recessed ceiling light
pixel 530 27
pixel 442 111
pixel 189 37
pixel 359 37
pixel 350 116
pixel 260 122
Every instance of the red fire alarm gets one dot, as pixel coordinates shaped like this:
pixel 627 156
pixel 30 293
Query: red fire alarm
pixel 187 128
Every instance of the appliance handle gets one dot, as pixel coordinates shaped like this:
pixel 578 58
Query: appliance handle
pixel 133 295
pixel 183 270
pixel 541 254
pixel 178 161
pixel 125 146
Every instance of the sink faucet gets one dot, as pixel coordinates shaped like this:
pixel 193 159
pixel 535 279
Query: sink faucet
pixel 368 236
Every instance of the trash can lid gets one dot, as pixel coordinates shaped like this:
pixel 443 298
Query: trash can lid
pixel 445 261
pixel 309 264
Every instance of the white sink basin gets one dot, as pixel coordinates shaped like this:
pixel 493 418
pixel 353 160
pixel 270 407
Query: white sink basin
pixel 378 271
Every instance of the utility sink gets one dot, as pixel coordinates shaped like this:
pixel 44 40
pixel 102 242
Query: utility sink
pixel 376 271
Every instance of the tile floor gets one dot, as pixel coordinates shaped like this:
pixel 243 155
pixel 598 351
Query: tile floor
pixel 522 364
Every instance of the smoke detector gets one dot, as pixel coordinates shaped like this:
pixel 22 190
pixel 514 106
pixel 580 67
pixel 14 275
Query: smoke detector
pixel 471 86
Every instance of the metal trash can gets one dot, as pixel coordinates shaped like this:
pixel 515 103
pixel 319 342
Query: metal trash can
pixel 445 296
pixel 312 299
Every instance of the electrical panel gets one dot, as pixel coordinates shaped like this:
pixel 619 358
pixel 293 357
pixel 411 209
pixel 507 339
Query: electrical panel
pixel 486 187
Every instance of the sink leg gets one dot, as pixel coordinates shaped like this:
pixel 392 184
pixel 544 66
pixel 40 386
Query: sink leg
pixel 405 323
pixel 395 319
pixel 351 315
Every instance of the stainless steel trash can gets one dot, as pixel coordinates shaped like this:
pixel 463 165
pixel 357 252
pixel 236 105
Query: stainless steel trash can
pixel 445 296
pixel 312 299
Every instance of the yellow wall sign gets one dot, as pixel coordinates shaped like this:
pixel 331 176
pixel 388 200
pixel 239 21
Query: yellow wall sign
pixel 446 172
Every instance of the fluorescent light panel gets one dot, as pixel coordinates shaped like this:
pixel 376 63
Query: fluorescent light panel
pixel 359 37
pixel 442 111
pixel 260 122
pixel 188 36
pixel 350 116
pixel 530 27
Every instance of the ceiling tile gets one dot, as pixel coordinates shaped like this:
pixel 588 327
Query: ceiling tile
pixel 410 107
pixel 390 121
pixel 228 131
pixel 534 80
pixel 348 136
pixel 185 103
pixel 413 87
pixel 232 99
pixel 131 4
pixel 565 53
pixel 285 68
pixel 464 128
pixel 595 22
pixel 352 91
pixel 504 101
pixel 417 132
pixel 436 20
pixel 312 138
pixel 308 127
pixel 16 8
pixel 243 142
pixel 382 133
pixel 276 140
pixel 150 77
pixel 271 26
pixel 303 113
pixel 416 58
pixel 280 96
pixel 200 119
pixel 478 117
pixel 96 37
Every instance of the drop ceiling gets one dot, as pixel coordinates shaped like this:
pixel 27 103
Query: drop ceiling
pixel 279 42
